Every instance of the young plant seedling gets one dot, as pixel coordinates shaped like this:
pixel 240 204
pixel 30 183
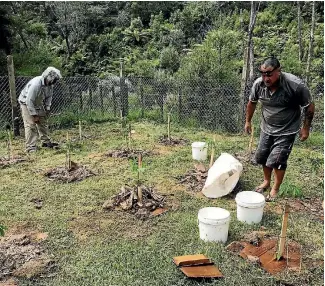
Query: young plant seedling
pixel 68 159
pixel 168 126
pixel 279 253
pixel 138 183
pixel 80 131
pixel 2 230
pixel 138 168
pixel 129 137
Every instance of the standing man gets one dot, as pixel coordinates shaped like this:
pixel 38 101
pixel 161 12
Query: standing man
pixel 35 103
pixel 282 96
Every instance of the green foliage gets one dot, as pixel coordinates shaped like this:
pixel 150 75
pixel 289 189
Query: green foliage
pixel 2 230
pixel 193 40
pixel 169 59
pixel 289 190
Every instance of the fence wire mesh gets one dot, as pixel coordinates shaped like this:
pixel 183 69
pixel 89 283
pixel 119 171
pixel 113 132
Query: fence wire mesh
pixel 217 107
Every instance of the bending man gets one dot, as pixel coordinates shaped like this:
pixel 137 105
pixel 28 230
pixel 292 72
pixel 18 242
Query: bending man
pixel 35 103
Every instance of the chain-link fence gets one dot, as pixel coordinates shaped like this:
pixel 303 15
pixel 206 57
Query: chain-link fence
pixel 214 106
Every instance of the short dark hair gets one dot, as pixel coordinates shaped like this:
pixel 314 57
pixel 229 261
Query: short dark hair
pixel 271 62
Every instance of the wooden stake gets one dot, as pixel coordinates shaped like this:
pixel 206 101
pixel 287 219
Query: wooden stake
pixel 212 151
pixel 80 133
pixel 68 160
pixel 279 253
pixel 139 188
pixel 168 126
pixel 251 141
pixel 9 146
pixel 129 136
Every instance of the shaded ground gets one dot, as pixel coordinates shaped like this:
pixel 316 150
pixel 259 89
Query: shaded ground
pixel 128 199
pixel 128 153
pixel 75 173
pixel 6 162
pixel 22 255
pixel 164 140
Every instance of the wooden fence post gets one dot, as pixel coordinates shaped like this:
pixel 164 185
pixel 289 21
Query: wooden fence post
pixel 13 97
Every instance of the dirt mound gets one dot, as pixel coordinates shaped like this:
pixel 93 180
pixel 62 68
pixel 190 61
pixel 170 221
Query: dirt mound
pixel 128 153
pixel 6 162
pixel 164 140
pixel 21 255
pixel 128 200
pixel 75 173
pixel 194 179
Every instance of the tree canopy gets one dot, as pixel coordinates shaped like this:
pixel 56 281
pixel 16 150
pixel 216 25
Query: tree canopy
pixel 188 39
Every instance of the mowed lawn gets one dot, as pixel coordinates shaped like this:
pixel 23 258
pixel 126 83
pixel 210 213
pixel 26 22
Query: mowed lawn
pixel 93 246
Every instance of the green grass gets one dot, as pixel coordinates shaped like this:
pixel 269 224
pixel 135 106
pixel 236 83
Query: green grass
pixel 96 247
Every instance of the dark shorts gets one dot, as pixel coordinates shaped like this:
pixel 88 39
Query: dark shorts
pixel 274 151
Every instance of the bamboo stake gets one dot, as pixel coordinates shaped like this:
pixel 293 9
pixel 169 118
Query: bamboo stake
pixel 212 151
pixel 68 160
pixel 279 253
pixel 139 188
pixel 251 141
pixel 9 145
pixel 80 133
pixel 168 126
pixel 130 134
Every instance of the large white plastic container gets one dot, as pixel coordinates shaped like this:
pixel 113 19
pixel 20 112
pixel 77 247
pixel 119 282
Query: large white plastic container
pixel 222 176
pixel 250 207
pixel 199 151
pixel 214 224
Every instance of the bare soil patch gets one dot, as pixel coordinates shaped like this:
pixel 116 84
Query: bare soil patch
pixel 63 174
pixel 128 200
pixel 164 140
pixel 22 255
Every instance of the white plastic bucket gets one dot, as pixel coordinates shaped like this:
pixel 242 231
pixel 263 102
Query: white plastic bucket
pixel 199 151
pixel 250 207
pixel 214 224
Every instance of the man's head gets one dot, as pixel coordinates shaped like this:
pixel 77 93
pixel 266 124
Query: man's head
pixel 51 75
pixel 270 70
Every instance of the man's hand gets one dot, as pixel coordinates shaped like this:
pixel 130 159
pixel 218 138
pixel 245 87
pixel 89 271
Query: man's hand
pixel 303 134
pixel 248 127
pixel 36 118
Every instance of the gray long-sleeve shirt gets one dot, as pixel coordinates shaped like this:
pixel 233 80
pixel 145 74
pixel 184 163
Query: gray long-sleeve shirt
pixel 36 95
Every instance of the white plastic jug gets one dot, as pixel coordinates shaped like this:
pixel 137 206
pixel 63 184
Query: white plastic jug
pixel 199 151
pixel 214 224
pixel 250 207
pixel 222 176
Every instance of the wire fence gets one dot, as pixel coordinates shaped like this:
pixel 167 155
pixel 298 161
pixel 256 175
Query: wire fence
pixel 219 107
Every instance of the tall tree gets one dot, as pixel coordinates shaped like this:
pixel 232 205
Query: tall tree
pixel 249 51
pixel 311 42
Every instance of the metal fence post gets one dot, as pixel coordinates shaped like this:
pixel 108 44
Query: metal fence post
pixel 13 98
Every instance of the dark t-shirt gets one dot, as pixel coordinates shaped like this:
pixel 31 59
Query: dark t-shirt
pixel 281 111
